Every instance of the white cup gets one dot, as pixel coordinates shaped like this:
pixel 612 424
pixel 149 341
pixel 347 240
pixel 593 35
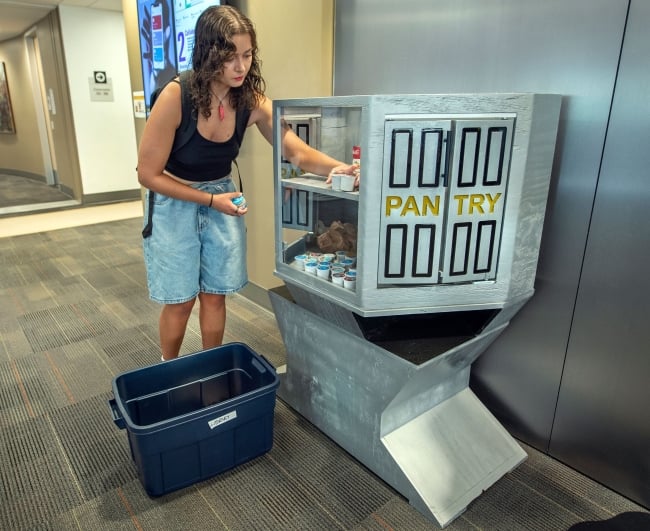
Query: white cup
pixel 336 182
pixel 347 183
pixel 300 261
pixel 323 271
pixel 311 266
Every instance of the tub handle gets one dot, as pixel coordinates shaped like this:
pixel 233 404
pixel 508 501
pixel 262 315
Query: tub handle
pixel 115 412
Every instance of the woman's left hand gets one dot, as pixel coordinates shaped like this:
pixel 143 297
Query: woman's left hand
pixel 349 169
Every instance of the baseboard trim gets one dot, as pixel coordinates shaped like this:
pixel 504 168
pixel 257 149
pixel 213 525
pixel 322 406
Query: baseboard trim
pixel 111 197
pixel 258 295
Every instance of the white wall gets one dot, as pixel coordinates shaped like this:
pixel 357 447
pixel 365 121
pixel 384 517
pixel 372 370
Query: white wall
pixel 94 40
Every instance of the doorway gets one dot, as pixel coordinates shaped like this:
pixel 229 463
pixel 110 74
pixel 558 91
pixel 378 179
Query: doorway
pixel 22 192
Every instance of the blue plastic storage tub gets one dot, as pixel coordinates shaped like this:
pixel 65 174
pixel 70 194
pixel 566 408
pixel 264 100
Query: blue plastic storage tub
pixel 196 416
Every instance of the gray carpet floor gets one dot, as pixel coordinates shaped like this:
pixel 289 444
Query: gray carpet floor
pixel 75 314
pixel 16 191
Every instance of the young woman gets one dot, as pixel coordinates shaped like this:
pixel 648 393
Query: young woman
pixel 197 247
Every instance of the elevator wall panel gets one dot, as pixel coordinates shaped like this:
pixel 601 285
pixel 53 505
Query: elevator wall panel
pixel 570 48
pixel 602 425
pixel 451 46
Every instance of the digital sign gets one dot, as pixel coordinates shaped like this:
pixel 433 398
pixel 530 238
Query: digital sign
pixel 166 30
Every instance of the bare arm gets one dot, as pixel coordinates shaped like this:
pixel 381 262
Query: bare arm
pixel 294 149
pixel 155 148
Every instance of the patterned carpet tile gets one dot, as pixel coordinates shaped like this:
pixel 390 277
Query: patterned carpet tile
pixel 78 315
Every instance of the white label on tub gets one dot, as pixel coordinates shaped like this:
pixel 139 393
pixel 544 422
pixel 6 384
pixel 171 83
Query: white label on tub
pixel 223 418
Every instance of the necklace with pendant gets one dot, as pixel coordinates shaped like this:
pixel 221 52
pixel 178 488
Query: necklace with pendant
pixel 222 111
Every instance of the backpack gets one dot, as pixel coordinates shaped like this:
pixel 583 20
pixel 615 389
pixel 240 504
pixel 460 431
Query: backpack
pixel 188 118
pixel 185 132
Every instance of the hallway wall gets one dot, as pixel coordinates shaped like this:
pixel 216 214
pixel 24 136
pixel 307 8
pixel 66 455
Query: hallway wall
pixel 94 40
pixel 94 141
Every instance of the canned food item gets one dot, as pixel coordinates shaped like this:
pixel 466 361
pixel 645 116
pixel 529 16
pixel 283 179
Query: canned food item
pixel 356 155
pixel 240 202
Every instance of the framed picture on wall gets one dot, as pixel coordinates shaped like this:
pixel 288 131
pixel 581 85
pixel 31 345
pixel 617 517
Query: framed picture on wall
pixel 6 114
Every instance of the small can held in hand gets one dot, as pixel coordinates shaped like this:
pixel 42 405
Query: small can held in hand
pixel 240 201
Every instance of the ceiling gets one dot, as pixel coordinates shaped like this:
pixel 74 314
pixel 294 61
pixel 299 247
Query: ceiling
pixel 17 16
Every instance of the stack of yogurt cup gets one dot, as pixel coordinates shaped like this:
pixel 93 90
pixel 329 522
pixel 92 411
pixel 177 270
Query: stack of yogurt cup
pixel 339 267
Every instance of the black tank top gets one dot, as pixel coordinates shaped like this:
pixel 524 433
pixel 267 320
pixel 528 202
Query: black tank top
pixel 202 160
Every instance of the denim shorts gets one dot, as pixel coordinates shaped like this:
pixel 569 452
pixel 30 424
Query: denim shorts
pixel 193 248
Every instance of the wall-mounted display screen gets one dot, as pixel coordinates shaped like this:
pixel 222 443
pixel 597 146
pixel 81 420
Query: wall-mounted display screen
pixel 166 39
pixel 185 14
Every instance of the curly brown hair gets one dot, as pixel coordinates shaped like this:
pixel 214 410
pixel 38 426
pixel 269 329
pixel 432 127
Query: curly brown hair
pixel 213 45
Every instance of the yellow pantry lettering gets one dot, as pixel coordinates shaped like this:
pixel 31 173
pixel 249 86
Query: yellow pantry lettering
pixel 427 205
pixel 288 171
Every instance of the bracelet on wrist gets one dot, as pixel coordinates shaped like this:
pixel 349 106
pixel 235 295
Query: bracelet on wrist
pixel 211 199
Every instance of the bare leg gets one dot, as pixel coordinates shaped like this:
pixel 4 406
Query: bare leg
pixel 212 319
pixel 173 322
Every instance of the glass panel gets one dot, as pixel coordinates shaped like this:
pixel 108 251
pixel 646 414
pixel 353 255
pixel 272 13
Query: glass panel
pixel 319 221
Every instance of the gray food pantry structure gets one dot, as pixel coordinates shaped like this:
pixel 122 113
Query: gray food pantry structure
pixel 444 232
